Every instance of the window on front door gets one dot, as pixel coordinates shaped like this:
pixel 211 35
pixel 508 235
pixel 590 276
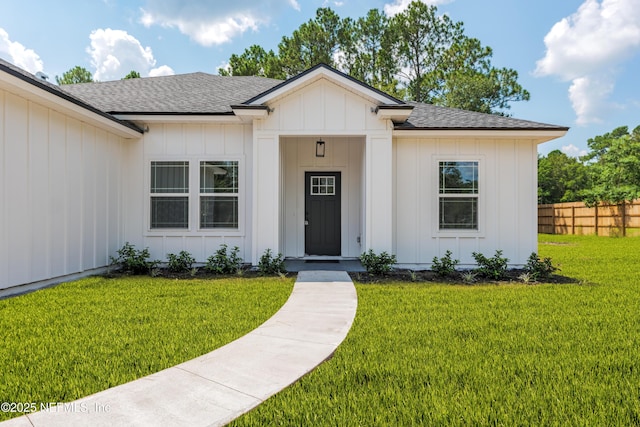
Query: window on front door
pixel 323 185
pixel 458 195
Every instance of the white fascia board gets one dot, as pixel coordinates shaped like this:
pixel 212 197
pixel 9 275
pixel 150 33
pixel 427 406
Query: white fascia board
pixel 316 75
pixel 398 115
pixel 248 114
pixel 35 94
pixel 178 118
pixel 539 135
pixel 252 113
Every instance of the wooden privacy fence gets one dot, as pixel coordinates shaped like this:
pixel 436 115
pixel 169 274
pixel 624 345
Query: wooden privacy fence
pixel 576 218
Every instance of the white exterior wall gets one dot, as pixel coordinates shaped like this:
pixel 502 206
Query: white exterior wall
pixel 267 184
pixel 323 109
pixel 60 193
pixel 193 142
pixel 507 212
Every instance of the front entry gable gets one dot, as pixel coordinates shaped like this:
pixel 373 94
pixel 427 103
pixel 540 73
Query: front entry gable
pixel 322 107
pixel 323 71
pixel 324 100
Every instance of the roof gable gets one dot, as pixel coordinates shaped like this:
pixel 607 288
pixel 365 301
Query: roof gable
pixel 318 72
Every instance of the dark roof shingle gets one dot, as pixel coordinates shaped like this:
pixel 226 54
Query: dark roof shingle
pixel 195 93
pixel 433 117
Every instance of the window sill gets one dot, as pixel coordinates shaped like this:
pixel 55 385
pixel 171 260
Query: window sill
pixel 458 233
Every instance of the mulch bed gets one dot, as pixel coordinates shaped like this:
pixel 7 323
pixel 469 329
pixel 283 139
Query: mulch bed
pixel 511 276
pixel 396 275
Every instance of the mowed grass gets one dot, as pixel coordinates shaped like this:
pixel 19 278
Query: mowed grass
pixel 532 355
pixel 78 338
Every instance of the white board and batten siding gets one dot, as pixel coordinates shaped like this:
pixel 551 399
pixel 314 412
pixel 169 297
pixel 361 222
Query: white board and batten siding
pixel 192 142
pixel 60 193
pixel 506 199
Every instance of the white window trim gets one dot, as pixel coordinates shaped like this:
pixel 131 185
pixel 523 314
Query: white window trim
pixel 194 197
pixel 326 185
pixel 200 195
pixel 481 196
pixel 151 195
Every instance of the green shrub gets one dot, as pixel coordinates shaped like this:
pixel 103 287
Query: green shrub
pixel 468 277
pixel 444 266
pixel 270 265
pixel 493 268
pixel 180 263
pixel 223 262
pixel 377 264
pixel 134 261
pixel 539 268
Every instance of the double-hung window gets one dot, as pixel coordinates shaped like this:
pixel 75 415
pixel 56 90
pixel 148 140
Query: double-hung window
pixel 219 194
pixel 170 195
pixel 210 197
pixel 458 195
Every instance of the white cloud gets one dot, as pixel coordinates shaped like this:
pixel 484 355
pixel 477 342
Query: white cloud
pixel 399 6
pixel 114 53
pixel 589 98
pixel 19 55
pixel 209 23
pixel 573 151
pixel 294 4
pixel 163 70
pixel 587 48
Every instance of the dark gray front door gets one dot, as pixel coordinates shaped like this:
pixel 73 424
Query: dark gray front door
pixel 322 213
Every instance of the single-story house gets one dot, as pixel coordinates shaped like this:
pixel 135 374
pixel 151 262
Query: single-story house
pixel 320 165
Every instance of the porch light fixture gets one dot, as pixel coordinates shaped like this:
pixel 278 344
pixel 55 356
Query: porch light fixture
pixel 319 148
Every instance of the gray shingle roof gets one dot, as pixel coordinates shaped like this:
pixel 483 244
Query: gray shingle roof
pixel 202 93
pixel 432 117
pixel 195 93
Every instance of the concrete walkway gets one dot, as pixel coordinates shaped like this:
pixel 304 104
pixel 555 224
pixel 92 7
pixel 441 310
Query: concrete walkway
pixel 216 388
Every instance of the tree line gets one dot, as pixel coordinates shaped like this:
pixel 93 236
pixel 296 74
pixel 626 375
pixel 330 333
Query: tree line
pixel 415 55
pixel 608 173
pixel 79 74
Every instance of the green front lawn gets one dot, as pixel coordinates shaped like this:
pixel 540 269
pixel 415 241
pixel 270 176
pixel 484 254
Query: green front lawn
pixel 441 354
pixel 78 338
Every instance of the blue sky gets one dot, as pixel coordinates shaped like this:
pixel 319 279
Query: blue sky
pixel 580 59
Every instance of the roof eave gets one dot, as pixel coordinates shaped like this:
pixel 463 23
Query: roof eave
pixel 54 98
pixel 540 135
pixel 396 113
pixel 250 112
pixel 174 117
